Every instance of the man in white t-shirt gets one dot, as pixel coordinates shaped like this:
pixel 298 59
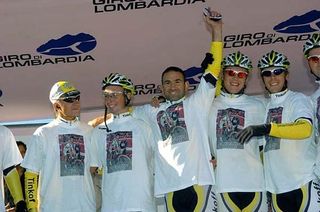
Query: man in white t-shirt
pixel 183 172
pixel 10 157
pixel 124 151
pixel 57 158
pixel 311 50
pixel 239 172
pixel 290 149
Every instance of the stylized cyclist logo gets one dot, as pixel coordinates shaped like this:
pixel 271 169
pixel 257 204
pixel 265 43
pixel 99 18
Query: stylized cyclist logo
pixel 119 152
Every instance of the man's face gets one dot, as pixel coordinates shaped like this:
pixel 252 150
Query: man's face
pixel 22 150
pixel 314 61
pixel 274 79
pixel 68 108
pixel 234 79
pixel 115 99
pixel 173 86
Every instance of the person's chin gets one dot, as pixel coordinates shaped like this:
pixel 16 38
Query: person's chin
pixel 235 89
pixel 174 99
pixel 76 113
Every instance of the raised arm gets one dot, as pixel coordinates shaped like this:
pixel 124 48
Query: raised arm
pixel 216 45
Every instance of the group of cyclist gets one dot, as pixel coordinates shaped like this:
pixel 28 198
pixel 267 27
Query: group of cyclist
pixel 278 128
pixel 266 150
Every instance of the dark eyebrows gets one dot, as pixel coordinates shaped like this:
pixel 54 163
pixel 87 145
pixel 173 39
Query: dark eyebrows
pixel 175 80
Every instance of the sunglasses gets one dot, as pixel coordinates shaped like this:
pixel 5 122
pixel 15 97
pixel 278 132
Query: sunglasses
pixel 113 94
pixel 314 58
pixel 268 73
pixel 239 74
pixel 71 99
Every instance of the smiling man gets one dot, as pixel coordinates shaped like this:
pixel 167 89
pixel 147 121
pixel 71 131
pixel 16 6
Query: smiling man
pixel 290 148
pixel 183 172
pixel 58 156
pixel 124 149
pixel 239 170
pixel 311 50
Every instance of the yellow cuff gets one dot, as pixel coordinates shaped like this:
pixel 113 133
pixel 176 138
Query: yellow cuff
pixel 13 182
pixel 216 51
pixel 300 129
pixel 100 171
pixel 31 189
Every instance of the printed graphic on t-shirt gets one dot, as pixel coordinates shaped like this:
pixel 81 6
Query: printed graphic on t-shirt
pixel 172 124
pixel 318 114
pixel 119 151
pixel 72 152
pixel 229 122
pixel 275 116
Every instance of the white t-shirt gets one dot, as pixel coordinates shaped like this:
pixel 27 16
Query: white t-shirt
pixel 9 156
pixel 289 163
pixel 59 153
pixel 182 156
pixel 316 105
pixel 126 155
pixel 239 166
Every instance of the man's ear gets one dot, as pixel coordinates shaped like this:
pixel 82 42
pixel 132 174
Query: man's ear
pixel 186 86
pixel 287 75
pixel 161 88
pixel 56 106
pixel 130 95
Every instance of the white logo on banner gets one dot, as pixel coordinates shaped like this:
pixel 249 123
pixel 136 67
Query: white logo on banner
pixel 101 6
pixel 66 49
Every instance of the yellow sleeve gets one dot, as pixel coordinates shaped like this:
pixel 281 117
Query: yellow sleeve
pixel 300 129
pixel 13 182
pixel 216 51
pixel 31 189
pixel 218 86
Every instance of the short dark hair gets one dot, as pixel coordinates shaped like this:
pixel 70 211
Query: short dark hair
pixel 22 144
pixel 173 69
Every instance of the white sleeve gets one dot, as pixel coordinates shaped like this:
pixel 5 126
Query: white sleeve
pixel 315 118
pixel 212 134
pixel 11 155
pixel 33 157
pixel 142 112
pixel 302 108
pixel 91 151
pixel 151 145
pixel 96 154
pixel 203 96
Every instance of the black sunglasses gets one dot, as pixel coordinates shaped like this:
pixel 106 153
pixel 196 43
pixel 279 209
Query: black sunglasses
pixel 71 99
pixel 277 71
